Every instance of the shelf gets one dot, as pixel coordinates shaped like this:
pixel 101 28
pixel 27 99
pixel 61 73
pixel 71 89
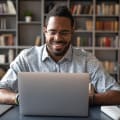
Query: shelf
pixel 82 31
pixel 5 64
pixel 29 23
pixel 107 16
pixel 106 31
pixel 83 15
pixel 85 48
pixel 90 26
pixel 7 30
pixel 23 47
pixel 7 15
pixel 106 48
pixel 8 47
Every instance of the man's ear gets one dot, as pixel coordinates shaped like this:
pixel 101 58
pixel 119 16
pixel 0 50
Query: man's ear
pixel 44 29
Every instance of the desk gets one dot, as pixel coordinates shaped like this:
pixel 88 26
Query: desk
pixel 94 114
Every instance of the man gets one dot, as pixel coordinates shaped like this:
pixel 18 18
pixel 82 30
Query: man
pixel 58 55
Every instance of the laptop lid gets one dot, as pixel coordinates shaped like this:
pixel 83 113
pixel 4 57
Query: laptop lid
pixel 4 108
pixel 59 94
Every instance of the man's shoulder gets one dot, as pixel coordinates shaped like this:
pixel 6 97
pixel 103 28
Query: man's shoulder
pixel 81 52
pixel 32 51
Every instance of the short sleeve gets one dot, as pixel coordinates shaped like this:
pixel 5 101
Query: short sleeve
pixel 101 80
pixel 9 80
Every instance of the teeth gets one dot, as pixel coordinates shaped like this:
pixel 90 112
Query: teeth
pixel 59 44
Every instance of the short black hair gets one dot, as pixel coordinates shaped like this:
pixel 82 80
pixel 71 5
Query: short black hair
pixel 62 11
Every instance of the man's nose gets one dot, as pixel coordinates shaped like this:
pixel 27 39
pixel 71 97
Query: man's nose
pixel 58 36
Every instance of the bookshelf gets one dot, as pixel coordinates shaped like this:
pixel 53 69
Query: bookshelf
pixel 97 29
pixel 107 37
pixel 8 36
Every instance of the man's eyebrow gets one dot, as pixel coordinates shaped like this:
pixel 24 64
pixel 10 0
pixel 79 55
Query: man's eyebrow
pixel 60 31
pixel 65 30
pixel 52 30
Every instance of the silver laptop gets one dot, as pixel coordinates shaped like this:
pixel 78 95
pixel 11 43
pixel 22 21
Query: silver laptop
pixel 56 94
pixel 4 108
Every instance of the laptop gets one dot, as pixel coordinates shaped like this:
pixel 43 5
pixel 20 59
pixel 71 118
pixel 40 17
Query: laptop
pixel 53 94
pixel 4 108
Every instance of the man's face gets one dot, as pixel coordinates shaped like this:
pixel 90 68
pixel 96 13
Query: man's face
pixel 58 33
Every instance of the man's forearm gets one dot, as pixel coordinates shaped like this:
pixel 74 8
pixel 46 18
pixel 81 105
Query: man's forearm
pixel 7 96
pixel 107 98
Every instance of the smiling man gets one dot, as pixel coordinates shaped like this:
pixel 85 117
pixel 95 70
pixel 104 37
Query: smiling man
pixel 58 36
pixel 58 55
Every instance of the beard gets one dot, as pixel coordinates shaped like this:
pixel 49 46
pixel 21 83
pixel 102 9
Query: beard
pixel 59 52
pixel 58 48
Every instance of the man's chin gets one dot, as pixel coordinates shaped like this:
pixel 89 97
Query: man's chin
pixel 58 53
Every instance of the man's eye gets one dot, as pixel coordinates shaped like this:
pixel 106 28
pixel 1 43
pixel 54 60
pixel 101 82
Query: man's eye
pixel 52 32
pixel 64 33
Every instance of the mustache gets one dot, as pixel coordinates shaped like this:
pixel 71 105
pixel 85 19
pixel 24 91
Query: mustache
pixel 59 42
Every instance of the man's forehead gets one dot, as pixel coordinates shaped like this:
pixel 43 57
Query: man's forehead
pixel 56 22
pixel 59 19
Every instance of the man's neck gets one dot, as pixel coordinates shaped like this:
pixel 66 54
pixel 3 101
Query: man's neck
pixel 55 58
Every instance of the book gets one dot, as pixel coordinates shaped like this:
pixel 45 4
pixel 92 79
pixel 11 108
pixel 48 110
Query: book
pixel 116 9
pixel 11 7
pixel 2 58
pixel 37 41
pixel 74 9
pixel 6 39
pixel 90 10
pixel 3 23
pixel 2 72
pixel 89 25
pixel 78 41
pixel 78 11
pixel 111 111
pixel 4 6
pixel 10 55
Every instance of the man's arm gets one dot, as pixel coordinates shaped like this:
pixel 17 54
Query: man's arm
pixel 111 97
pixel 7 96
